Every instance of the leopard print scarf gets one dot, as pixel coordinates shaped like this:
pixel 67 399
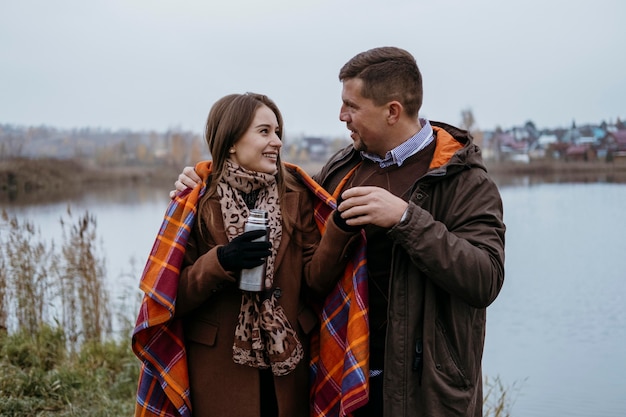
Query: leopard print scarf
pixel 264 337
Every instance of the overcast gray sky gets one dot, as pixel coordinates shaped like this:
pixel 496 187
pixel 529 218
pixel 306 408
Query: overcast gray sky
pixel 157 64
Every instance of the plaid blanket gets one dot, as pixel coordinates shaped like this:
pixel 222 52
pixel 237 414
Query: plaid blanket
pixel 339 363
pixel 158 338
pixel 340 351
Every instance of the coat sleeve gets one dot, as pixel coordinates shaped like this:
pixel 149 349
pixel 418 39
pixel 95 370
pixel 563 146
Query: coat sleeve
pixel 460 247
pixel 325 259
pixel 201 276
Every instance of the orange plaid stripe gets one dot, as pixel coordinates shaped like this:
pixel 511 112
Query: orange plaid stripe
pixel 157 340
pixel 340 351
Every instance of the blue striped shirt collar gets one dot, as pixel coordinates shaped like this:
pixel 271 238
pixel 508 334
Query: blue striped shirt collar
pixel 406 149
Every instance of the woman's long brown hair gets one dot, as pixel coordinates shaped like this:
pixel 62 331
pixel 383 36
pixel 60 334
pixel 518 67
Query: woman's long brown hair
pixel 228 120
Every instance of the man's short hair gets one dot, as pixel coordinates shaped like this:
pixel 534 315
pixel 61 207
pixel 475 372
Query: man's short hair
pixel 388 74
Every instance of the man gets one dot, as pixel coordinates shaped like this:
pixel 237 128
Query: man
pixel 435 239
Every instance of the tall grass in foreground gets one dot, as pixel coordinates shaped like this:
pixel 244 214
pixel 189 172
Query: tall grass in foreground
pixel 58 353
pixel 498 399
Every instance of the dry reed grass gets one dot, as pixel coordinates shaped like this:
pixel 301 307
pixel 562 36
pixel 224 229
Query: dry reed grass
pixel 57 351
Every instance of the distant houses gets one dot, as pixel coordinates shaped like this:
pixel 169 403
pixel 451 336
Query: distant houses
pixel 604 142
pixel 615 144
pixel 315 148
pixel 519 144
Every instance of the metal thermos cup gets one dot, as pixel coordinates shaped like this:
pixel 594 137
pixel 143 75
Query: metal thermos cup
pixel 254 279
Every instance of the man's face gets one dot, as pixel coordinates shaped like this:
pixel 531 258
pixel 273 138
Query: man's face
pixel 366 121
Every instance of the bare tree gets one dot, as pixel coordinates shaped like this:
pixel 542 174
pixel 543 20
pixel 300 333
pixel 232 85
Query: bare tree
pixel 467 119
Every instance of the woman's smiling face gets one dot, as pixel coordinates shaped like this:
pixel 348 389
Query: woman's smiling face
pixel 258 148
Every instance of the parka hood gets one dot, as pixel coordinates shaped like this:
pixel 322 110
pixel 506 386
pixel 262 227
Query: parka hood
pixel 455 148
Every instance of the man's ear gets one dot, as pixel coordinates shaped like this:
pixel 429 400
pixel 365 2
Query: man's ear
pixel 394 110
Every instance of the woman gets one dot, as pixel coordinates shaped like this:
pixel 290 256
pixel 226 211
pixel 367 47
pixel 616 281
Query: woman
pixel 247 352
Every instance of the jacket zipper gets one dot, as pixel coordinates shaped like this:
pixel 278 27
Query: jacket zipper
pixel 418 362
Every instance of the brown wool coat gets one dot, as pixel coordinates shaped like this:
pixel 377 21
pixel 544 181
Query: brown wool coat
pixel 208 300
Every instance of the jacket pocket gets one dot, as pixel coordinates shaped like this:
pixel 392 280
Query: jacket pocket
pixel 447 360
pixel 200 331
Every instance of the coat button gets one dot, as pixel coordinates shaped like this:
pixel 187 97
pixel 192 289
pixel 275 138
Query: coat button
pixel 278 292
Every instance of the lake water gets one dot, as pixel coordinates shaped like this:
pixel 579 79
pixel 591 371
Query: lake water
pixel 556 335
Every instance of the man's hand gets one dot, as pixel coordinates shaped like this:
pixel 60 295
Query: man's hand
pixel 187 179
pixel 371 205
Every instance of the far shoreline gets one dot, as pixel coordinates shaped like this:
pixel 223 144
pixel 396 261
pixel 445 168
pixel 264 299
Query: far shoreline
pixel 40 180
